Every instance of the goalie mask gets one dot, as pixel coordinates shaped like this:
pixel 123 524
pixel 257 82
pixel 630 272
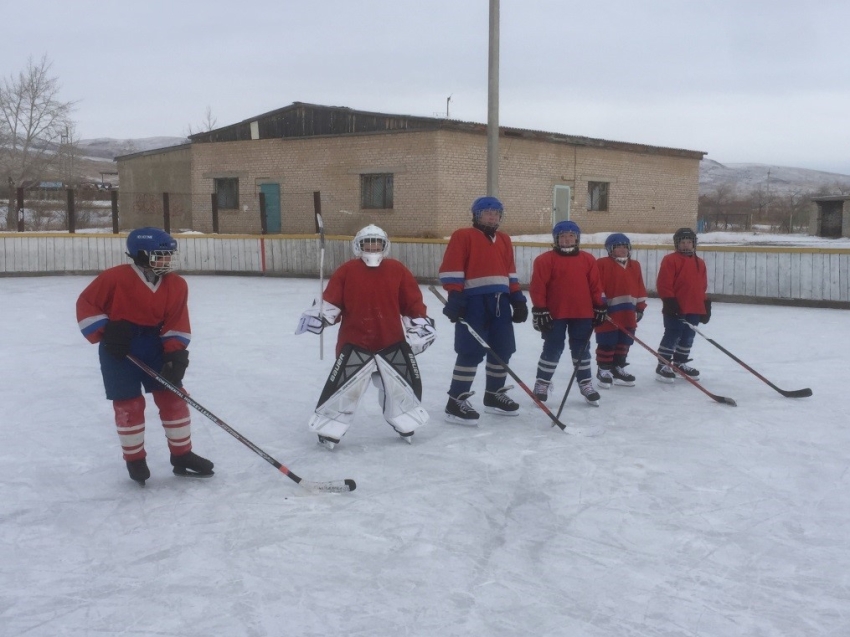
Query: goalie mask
pixel 153 249
pixel 371 245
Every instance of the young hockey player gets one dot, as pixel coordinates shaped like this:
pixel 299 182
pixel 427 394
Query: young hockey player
pixel 479 274
pixel 625 295
pixel 379 305
pixel 681 285
pixel 566 297
pixel 141 309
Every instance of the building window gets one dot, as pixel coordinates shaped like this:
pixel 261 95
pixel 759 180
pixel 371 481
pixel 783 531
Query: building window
pixel 227 193
pixel 376 191
pixel 597 195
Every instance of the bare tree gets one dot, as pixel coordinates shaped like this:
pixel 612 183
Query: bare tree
pixel 33 122
pixel 207 124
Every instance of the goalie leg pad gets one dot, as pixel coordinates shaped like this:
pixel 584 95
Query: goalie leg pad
pixel 343 390
pixel 402 388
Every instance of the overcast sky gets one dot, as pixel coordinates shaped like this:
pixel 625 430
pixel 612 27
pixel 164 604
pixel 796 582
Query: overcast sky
pixel 743 80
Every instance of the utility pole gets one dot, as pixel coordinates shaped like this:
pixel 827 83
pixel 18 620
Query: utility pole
pixel 448 99
pixel 493 104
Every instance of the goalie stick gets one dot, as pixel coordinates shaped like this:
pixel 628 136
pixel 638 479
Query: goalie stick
pixel 496 357
pixel 673 366
pixel 794 393
pixel 336 486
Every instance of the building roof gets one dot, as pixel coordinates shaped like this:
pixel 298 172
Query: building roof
pixel 300 120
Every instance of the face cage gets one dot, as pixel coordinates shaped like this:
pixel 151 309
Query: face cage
pixel 495 225
pixel 162 261
pixel 570 249
pixel 372 258
pixel 693 245
pixel 618 245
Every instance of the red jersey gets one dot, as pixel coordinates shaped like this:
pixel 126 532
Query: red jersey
pixel 684 278
pixel 568 286
pixel 476 264
pixel 123 293
pixel 372 301
pixel 623 290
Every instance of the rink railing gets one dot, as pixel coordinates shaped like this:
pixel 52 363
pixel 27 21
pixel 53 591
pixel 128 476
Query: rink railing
pixel 820 275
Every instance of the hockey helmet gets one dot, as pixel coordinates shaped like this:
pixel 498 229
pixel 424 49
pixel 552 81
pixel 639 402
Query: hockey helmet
pixel 371 244
pixel 684 233
pixel 566 228
pixel 483 204
pixel 615 240
pixel 152 248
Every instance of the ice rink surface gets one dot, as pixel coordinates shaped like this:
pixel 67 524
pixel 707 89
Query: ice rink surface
pixel 685 518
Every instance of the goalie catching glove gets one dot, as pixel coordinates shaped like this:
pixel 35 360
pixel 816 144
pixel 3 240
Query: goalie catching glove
pixel 419 333
pixel 317 317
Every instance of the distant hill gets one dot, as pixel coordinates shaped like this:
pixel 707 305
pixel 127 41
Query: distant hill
pixel 747 179
pixel 107 149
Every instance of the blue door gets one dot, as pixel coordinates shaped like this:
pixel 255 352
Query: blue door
pixel 272 195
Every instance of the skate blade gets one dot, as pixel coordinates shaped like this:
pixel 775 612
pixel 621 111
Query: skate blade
pixel 661 379
pixel 624 383
pixel 185 473
pixel 604 385
pixel 500 412
pixel 454 420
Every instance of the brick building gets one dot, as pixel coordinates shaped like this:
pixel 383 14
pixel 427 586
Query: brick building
pixel 413 176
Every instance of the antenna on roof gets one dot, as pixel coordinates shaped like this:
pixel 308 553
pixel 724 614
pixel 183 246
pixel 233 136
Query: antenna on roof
pixel 448 99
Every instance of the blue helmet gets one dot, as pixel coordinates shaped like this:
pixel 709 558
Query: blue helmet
pixel 152 248
pixel 617 239
pixel 566 227
pixel 482 204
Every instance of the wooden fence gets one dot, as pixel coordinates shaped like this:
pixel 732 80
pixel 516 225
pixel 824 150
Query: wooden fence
pixel 811 276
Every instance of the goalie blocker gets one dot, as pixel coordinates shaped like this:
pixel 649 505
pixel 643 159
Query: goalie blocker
pixel 393 370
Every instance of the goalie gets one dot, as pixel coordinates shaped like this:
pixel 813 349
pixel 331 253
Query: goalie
pixel 384 324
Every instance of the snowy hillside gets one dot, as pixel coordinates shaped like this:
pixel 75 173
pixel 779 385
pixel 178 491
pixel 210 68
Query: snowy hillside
pixel 745 179
pixel 108 149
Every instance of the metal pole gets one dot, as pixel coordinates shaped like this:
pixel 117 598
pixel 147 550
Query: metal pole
pixel 20 194
pixel 493 104
pixel 114 198
pixel 166 213
pixel 264 226
pixel 72 213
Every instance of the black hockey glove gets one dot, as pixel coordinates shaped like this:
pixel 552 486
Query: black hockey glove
pixel 541 320
pixel 670 307
pixel 638 315
pixel 520 307
pixel 117 336
pixel 174 366
pixel 599 315
pixel 455 307
pixel 705 318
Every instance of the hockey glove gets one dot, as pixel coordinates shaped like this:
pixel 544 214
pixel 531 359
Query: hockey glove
pixel 638 315
pixel 419 333
pixel 174 366
pixel 599 315
pixel 317 317
pixel 670 307
pixel 541 320
pixel 705 318
pixel 520 307
pixel 455 308
pixel 117 336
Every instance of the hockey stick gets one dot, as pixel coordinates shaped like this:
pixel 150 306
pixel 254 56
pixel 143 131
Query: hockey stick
pixel 674 367
pixel 498 359
pixel 320 227
pixel 796 393
pixel 336 486
pixel 573 377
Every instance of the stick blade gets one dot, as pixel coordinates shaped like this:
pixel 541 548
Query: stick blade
pixel 797 393
pixel 725 400
pixel 335 486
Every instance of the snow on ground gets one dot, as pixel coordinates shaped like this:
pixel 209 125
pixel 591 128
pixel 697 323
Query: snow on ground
pixel 686 517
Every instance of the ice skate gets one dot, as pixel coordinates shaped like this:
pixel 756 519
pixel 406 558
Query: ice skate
pixel 460 412
pixel 191 465
pixel 691 372
pixel 664 373
pixel 605 377
pixel 542 388
pixel 498 402
pixel 138 470
pixel 622 377
pixel 589 393
pixel 327 442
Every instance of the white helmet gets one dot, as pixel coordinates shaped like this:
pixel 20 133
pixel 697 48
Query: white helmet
pixel 371 244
